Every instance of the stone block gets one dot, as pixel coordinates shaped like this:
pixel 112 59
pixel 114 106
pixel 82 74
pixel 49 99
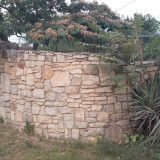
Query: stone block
pixel 75 71
pixel 38 75
pixel 80 115
pixel 116 117
pixel 122 98
pixel 69 121
pixel 97 125
pixel 87 90
pixel 28 106
pixel 14 89
pixel 7 67
pixel 18 117
pixel 58 89
pixel 44 119
pixel 118 106
pixel 90 70
pixel 21 64
pixel 27 117
pixel 56 104
pixel 102 116
pixel 94 132
pixel 38 93
pixel 75 134
pixel 114 132
pixel 92 114
pixel 19 72
pixel 100 98
pixel 50 111
pixel 60 58
pixel 5 97
pixel 72 89
pixel 47 86
pixel 90 80
pixel 111 100
pixel 35 109
pixel 40 58
pixel 76 81
pixel 52 126
pixel 96 107
pixel 60 79
pixel 5 80
pixel 39 85
pixel 81 125
pixel 30 79
pixel 108 108
pixel 29 63
pixel 73 105
pixel 47 72
pixel 123 123
pixel 20 107
pixel 104 89
pixel 63 97
pixel 50 96
pixel 90 120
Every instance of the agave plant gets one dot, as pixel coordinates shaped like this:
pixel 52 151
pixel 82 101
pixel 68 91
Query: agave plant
pixel 146 107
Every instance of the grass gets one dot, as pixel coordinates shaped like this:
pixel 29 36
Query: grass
pixel 19 146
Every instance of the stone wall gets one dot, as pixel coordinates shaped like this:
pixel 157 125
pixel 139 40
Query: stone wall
pixel 63 94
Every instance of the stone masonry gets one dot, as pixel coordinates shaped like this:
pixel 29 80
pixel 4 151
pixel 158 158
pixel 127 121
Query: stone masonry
pixel 63 94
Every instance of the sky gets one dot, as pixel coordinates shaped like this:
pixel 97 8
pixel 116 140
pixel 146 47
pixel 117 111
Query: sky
pixel 129 7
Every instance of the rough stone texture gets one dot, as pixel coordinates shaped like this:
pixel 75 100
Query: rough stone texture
pixel 60 79
pixel 30 79
pixel 90 80
pixel 38 93
pixel 64 95
pixel 47 72
pixel 68 121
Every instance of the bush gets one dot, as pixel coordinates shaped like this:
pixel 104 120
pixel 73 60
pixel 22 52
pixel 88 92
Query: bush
pixel 146 108
pixel 1 120
pixel 29 128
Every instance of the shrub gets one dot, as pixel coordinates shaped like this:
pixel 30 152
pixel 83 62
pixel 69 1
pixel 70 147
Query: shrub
pixel 146 108
pixel 1 120
pixel 29 128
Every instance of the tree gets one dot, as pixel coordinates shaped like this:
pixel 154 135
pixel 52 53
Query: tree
pixel 85 22
pixel 147 32
pixel 5 28
pixel 20 13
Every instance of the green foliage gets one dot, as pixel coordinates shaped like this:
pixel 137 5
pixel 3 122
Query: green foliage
pixel 148 24
pixel 146 106
pixel 30 145
pixel 1 120
pixel 136 151
pixel 42 138
pixel 79 145
pixel 152 49
pixel 29 128
pixel 21 13
pixel 130 139
pixel 5 27
pixel 85 23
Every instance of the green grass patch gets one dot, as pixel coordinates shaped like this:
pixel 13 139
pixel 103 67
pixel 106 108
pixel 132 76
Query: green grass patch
pixel 20 146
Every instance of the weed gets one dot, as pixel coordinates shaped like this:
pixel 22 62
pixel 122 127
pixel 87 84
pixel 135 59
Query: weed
pixel 42 138
pixel 29 128
pixel 29 144
pixel 1 120
pixel 79 145
pixel 129 139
